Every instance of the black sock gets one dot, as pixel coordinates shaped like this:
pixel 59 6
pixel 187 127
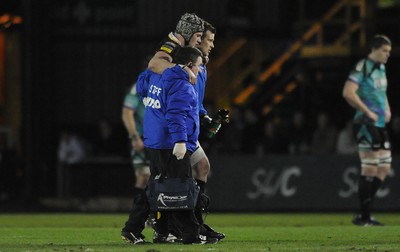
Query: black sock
pixel 198 209
pixel 376 184
pixel 202 185
pixel 364 193
pixel 137 191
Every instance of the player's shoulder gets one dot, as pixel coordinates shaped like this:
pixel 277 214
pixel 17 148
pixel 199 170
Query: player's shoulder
pixel 133 91
pixel 360 65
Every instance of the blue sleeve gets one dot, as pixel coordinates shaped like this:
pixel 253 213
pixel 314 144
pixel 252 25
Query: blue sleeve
pixel 178 106
pixel 200 88
pixel 144 80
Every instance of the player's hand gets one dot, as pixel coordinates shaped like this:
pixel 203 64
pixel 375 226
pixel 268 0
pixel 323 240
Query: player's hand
pixel 179 150
pixel 137 144
pixel 373 116
pixel 205 120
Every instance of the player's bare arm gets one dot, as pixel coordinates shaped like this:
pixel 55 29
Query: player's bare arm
pixel 349 93
pixel 129 122
pixel 160 61
pixel 388 113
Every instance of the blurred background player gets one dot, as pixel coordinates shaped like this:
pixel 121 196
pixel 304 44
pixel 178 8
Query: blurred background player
pixel 365 90
pixel 132 116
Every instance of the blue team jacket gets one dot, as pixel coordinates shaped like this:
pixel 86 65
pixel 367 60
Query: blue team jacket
pixel 144 79
pixel 200 87
pixel 172 113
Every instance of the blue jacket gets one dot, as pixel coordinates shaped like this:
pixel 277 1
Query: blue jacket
pixel 200 87
pixel 144 79
pixel 172 113
pixel 142 83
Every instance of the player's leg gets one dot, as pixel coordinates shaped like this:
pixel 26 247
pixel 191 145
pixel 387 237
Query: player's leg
pixel 190 229
pixel 367 181
pixel 385 163
pixel 132 231
pixel 385 155
pixel 200 165
pixel 369 142
pixel 161 227
pixel 201 169
pixel 384 166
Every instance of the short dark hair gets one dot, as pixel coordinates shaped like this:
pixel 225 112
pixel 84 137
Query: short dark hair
pixel 208 27
pixel 379 40
pixel 186 54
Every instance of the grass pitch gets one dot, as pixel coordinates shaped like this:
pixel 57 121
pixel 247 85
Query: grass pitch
pixel 244 232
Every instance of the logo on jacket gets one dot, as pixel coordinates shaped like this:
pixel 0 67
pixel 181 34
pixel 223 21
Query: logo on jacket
pixel 152 103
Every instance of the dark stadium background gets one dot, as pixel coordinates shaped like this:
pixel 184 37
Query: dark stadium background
pixel 66 64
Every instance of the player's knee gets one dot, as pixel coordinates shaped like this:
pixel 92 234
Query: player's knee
pixel 384 168
pixel 201 169
pixel 383 172
pixel 203 166
pixel 141 182
pixel 385 163
pixel 142 177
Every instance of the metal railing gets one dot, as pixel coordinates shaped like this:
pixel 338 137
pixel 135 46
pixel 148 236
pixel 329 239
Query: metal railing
pixel 313 38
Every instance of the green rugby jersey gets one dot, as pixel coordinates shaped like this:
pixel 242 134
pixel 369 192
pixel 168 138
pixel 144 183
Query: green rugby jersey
pixel 372 84
pixel 132 101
